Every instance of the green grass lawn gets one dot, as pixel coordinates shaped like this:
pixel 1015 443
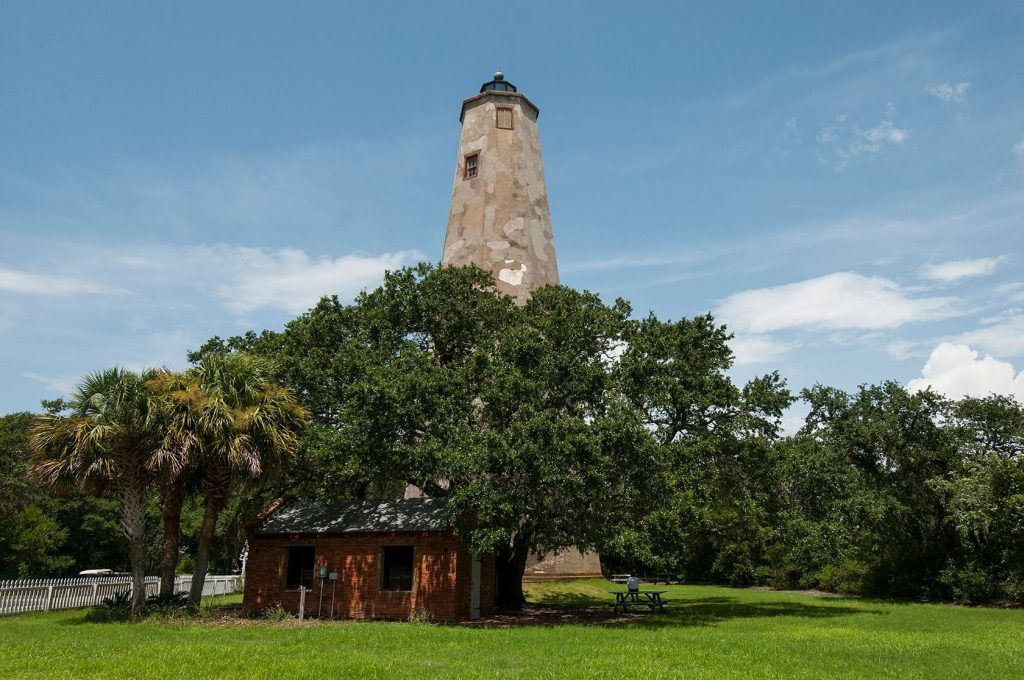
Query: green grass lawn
pixel 707 632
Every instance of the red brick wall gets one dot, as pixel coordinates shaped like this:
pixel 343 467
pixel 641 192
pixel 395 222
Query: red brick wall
pixel 440 585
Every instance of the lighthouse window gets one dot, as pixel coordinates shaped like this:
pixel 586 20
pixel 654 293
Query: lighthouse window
pixel 505 118
pixel 472 165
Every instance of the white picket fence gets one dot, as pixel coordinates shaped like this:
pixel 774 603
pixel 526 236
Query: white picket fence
pixel 40 595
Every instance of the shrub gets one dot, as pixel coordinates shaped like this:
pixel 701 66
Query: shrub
pixel 168 605
pixel 277 612
pixel 734 565
pixel 420 616
pixel 1013 589
pixel 969 586
pixel 846 577
pixel 111 609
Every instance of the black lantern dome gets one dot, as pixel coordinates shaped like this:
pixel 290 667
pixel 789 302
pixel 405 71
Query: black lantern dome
pixel 499 84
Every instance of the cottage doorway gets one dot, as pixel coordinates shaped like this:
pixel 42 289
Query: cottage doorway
pixel 474 589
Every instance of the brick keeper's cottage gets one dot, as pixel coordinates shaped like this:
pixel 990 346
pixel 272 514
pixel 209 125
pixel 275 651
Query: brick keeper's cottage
pixel 374 559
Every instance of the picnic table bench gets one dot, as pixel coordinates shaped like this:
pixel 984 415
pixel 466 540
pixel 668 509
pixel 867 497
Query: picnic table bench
pixel 638 598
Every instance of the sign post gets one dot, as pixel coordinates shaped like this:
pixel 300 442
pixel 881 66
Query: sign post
pixel 322 575
pixel 334 589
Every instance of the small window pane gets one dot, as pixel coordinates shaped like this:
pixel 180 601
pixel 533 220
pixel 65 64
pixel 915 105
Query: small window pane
pixel 505 119
pixel 472 165
pixel 397 568
pixel 300 567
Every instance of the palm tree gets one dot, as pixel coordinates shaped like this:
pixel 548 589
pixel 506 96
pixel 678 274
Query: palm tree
pixel 229 416
pixel 110 439
pixel 177 475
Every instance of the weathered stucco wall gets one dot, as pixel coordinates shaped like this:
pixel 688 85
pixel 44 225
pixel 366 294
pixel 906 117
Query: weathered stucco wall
pixel 499 220
pixel 563 564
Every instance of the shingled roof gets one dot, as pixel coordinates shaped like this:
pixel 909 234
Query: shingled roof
pixel 314 517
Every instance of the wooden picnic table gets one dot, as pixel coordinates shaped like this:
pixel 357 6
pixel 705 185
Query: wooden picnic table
pixel 638 598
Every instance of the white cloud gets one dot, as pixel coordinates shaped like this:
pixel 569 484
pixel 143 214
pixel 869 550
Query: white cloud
pixel 15 281
pixel 662 257
pixel 949 92
pixel 1018 149
pixel 137 262
pixel 840 143
pixel 905 349
pixel 960 269
pixel 791 132
pixel 244 279
pixel 1003 339
pixel 836 301
pixel 1015 290
pixel 957 371
pixel 875 139
pixel 1011 287
pixel 291 280
pixel 758 348
pixel 61 385
pixel 794 418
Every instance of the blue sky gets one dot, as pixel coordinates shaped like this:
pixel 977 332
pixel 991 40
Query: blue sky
pixel 841 183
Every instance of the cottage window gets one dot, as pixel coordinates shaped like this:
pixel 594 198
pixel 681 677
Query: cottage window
pixel 504 118
pixel 299 567
pixel 472 166
pixel 396 567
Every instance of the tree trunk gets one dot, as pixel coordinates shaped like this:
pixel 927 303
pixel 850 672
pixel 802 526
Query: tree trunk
pixel 133 522
pixel 216 484
pixel 173 496
pixel 510 563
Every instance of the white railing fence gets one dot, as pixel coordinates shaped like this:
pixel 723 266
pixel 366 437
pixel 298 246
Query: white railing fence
pixel 213 585
pixel 41 595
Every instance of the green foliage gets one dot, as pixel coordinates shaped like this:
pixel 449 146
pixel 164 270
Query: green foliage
pixel 562 422
pixel 168 605
pixel 277 613
pixel 112 609
pixel 434 379
pixel 57 534
pixel 566 423
pixel 848 578
pixel 224 419
pixel 421 616
pixel 707 467
pixel 186 565
pixel 110 438
pixel 37 543
pixel 893 493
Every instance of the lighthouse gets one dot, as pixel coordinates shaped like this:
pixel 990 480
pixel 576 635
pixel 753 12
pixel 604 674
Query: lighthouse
pixel 500 221
pixel 499 218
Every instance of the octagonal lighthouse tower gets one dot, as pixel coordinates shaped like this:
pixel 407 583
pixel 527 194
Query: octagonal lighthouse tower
pixel 499 218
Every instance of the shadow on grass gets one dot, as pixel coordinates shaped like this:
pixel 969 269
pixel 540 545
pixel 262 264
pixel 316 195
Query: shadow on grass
pixel 206 613
pixel 713 610
pixel 577 609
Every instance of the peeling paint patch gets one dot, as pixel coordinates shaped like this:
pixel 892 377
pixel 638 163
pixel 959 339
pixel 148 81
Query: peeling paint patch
pixel 453 249
pixel 513 277
pixel 514 225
